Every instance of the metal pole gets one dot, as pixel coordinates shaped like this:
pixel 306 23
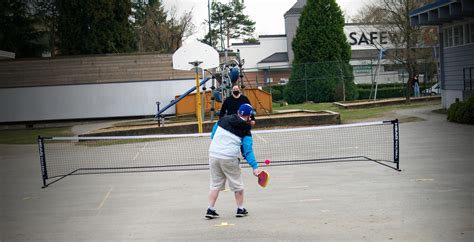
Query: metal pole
pixel 209 17
pixel 158 118
pixel 396 144
pixel 342 80
pixel 305 83
pixel 213 110
pixel 203 104
pixel 464 78
pixel 198 95
pixel 44 170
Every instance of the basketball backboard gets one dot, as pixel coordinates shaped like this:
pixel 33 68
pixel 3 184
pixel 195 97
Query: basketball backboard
pixel 195 51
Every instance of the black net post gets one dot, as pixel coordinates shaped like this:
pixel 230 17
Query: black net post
pixel 44 170
pixel 396 144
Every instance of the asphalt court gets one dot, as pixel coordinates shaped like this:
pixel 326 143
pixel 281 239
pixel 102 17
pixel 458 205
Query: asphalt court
pixel 429 200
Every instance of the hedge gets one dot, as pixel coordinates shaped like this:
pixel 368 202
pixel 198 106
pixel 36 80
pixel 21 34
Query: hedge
pixel 388 90
pixel 277 92
pixel 462 112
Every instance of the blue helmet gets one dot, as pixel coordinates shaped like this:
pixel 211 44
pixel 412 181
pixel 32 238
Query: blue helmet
pixel 246 110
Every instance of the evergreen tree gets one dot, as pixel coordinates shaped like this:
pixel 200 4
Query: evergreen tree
pixel 94 27
pixel 45 15
pixel 321 70
pixel 151 30
pixel 17 32
pixel 228 22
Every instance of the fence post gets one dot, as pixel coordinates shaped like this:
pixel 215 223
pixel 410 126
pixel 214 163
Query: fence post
pixel 305 83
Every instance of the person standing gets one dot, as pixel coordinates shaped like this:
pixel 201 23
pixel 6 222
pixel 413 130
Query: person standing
pixel 230 136
pixel 233 103
pixel 416 86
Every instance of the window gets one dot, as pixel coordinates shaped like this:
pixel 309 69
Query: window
pixel 448 37
pixel 445 33
pixel 471 31
pixel 458 35
pixel 467 32
pixel 392 67
pixel 362 69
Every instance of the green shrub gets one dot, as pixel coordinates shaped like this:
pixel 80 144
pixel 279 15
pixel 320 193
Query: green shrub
pixel 462 112
pixel 452 111
pixel 383 92
pixel 423 86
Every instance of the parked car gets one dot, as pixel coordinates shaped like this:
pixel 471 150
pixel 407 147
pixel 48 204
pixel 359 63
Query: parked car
pixel 432 91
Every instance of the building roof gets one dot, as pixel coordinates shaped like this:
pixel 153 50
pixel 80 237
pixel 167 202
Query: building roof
pixel 442 11
pixel 240 44
pixel 261 37
pixel 276 57
pixel 431 6
pixel 272 36
pixel 293 11
pixel 297 8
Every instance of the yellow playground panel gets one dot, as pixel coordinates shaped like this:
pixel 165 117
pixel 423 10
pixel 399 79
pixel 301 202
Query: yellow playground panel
pixel 260 100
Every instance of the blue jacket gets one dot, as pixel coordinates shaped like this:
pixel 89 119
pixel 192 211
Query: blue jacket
pixel 230 136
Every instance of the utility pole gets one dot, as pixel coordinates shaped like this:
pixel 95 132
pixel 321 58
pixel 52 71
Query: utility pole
pixel 209 17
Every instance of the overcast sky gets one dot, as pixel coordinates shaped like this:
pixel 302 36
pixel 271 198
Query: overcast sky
pixel 268 14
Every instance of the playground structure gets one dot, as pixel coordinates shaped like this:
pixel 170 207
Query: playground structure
pixel 198 100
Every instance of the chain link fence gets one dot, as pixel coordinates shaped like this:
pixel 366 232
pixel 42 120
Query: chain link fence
pixel 333 81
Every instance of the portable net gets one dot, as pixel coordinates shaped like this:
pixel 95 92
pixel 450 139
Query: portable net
pixel 62 156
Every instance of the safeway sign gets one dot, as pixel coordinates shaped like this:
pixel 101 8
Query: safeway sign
pixel 362 37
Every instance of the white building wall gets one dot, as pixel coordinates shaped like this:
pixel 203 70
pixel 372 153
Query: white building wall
pixel 255 53
pixel 88 101
pixel 449 97
pixel 291 21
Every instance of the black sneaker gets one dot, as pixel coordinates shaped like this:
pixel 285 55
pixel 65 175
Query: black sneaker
pixel 241 212
pixel 210 214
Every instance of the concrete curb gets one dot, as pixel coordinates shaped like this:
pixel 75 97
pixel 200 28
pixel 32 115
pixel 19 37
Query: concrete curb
pixel 295 118
pixel 368 103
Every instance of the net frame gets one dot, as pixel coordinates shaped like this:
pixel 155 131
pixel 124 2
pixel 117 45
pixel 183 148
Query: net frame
pixel 394 141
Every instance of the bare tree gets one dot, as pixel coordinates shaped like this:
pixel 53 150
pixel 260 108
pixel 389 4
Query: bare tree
pixel 161 30
pixel 180 28
pixel 408 42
